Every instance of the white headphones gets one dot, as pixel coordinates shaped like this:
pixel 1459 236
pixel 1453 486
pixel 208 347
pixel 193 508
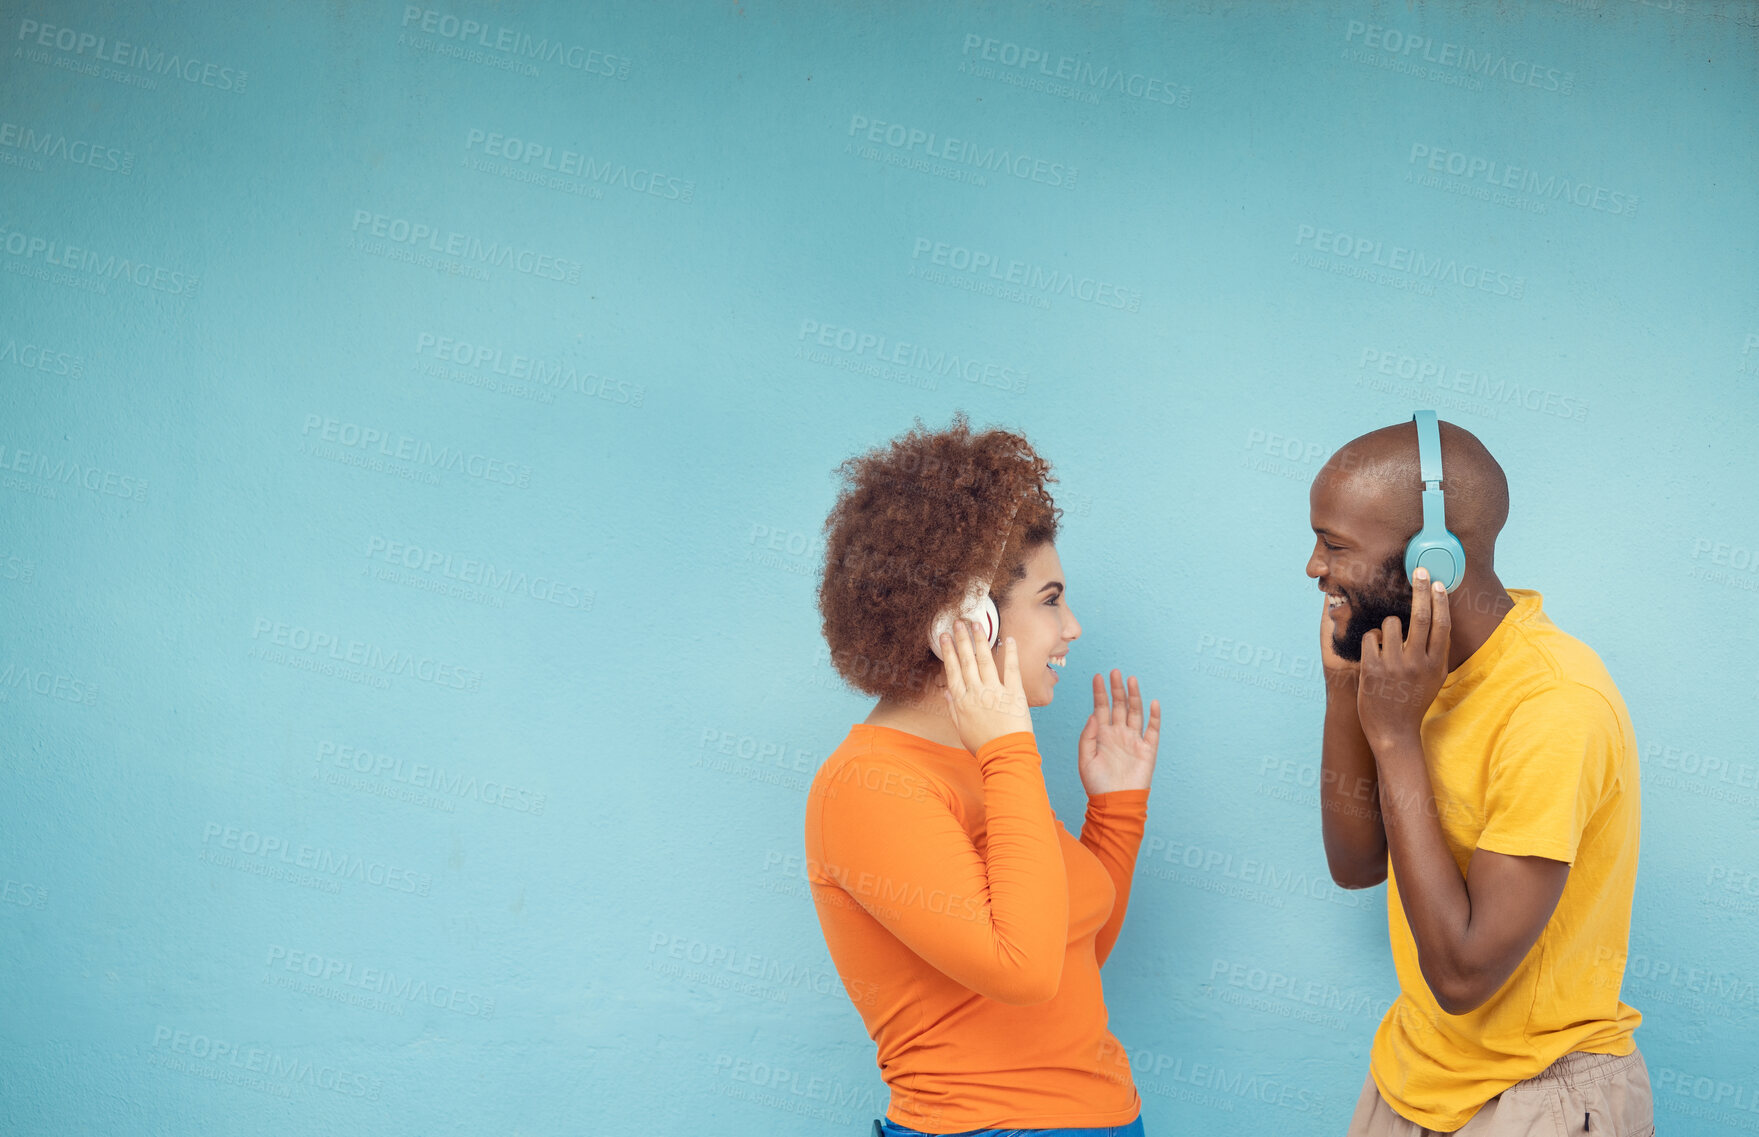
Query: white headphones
pixel 977 604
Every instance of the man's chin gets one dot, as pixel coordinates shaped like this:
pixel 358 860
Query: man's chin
pixel 1349 645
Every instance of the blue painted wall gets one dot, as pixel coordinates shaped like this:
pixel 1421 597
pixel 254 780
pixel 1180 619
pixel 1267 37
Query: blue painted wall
pixel 416 425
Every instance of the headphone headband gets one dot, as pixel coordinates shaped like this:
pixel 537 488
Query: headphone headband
pixel 1006 529
pixel 1434 548
pixel 1428 448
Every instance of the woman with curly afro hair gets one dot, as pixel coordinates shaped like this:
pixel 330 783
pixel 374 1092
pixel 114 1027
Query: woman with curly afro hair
pixel 967 924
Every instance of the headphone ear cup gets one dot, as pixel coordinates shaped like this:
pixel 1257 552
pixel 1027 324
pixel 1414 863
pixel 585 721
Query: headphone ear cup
pixel 943 623
pixel 978 607
pixel 1455 570
pixel 1443 558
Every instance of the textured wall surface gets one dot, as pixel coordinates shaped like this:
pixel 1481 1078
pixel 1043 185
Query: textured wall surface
pixel 416 425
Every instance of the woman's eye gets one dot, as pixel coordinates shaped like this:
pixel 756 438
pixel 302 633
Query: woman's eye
pixel 1053 600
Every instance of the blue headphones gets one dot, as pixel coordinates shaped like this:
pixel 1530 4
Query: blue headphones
pixel 1434 547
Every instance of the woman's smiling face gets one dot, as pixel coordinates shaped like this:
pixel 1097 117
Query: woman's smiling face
pixel 1036 614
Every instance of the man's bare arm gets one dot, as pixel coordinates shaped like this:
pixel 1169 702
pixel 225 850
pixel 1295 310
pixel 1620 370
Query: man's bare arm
pixel 1471 932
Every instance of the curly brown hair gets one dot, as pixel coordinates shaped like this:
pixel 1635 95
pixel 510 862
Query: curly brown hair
pixel 916 521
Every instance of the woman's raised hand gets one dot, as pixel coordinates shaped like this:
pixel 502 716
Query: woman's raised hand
pixel 1115 753
pixel 985 704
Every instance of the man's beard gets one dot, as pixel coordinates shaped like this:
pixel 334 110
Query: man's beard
pixel 1390 595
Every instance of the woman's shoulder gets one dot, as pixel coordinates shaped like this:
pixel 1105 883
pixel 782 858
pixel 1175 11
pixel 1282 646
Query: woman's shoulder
pixel 880 760
pixel 871 746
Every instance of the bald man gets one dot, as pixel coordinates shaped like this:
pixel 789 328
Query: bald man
pixel 1481 762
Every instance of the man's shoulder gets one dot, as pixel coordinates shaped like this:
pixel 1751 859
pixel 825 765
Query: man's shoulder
pixel 1567 693
pixel 1552 665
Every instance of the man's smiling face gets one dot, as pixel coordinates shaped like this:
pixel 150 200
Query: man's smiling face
pixel 1358 556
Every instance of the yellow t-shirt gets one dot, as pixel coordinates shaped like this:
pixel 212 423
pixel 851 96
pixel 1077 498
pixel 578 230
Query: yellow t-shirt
pixel 1530 753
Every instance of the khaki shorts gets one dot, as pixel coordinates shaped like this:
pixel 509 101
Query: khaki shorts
pixel 1605 1095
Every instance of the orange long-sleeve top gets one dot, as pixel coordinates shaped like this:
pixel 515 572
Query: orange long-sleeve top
pixel 969 927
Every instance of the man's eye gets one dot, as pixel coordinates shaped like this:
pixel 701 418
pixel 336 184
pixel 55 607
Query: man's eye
pixel 1329 547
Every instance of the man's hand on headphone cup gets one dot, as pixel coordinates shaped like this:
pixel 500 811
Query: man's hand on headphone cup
pixel 1402 673
pixel 985 704
pixel 1114 753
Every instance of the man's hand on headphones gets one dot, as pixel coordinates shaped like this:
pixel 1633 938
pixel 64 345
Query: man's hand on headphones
pixel 1402 673
pixel 985 704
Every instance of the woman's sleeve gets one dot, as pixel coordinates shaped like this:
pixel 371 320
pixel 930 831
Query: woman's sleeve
pixel 995 921
pixel 1112 831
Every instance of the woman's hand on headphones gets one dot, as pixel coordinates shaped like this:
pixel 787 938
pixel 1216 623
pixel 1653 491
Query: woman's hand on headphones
pixel 1115 753
pixel 985 704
